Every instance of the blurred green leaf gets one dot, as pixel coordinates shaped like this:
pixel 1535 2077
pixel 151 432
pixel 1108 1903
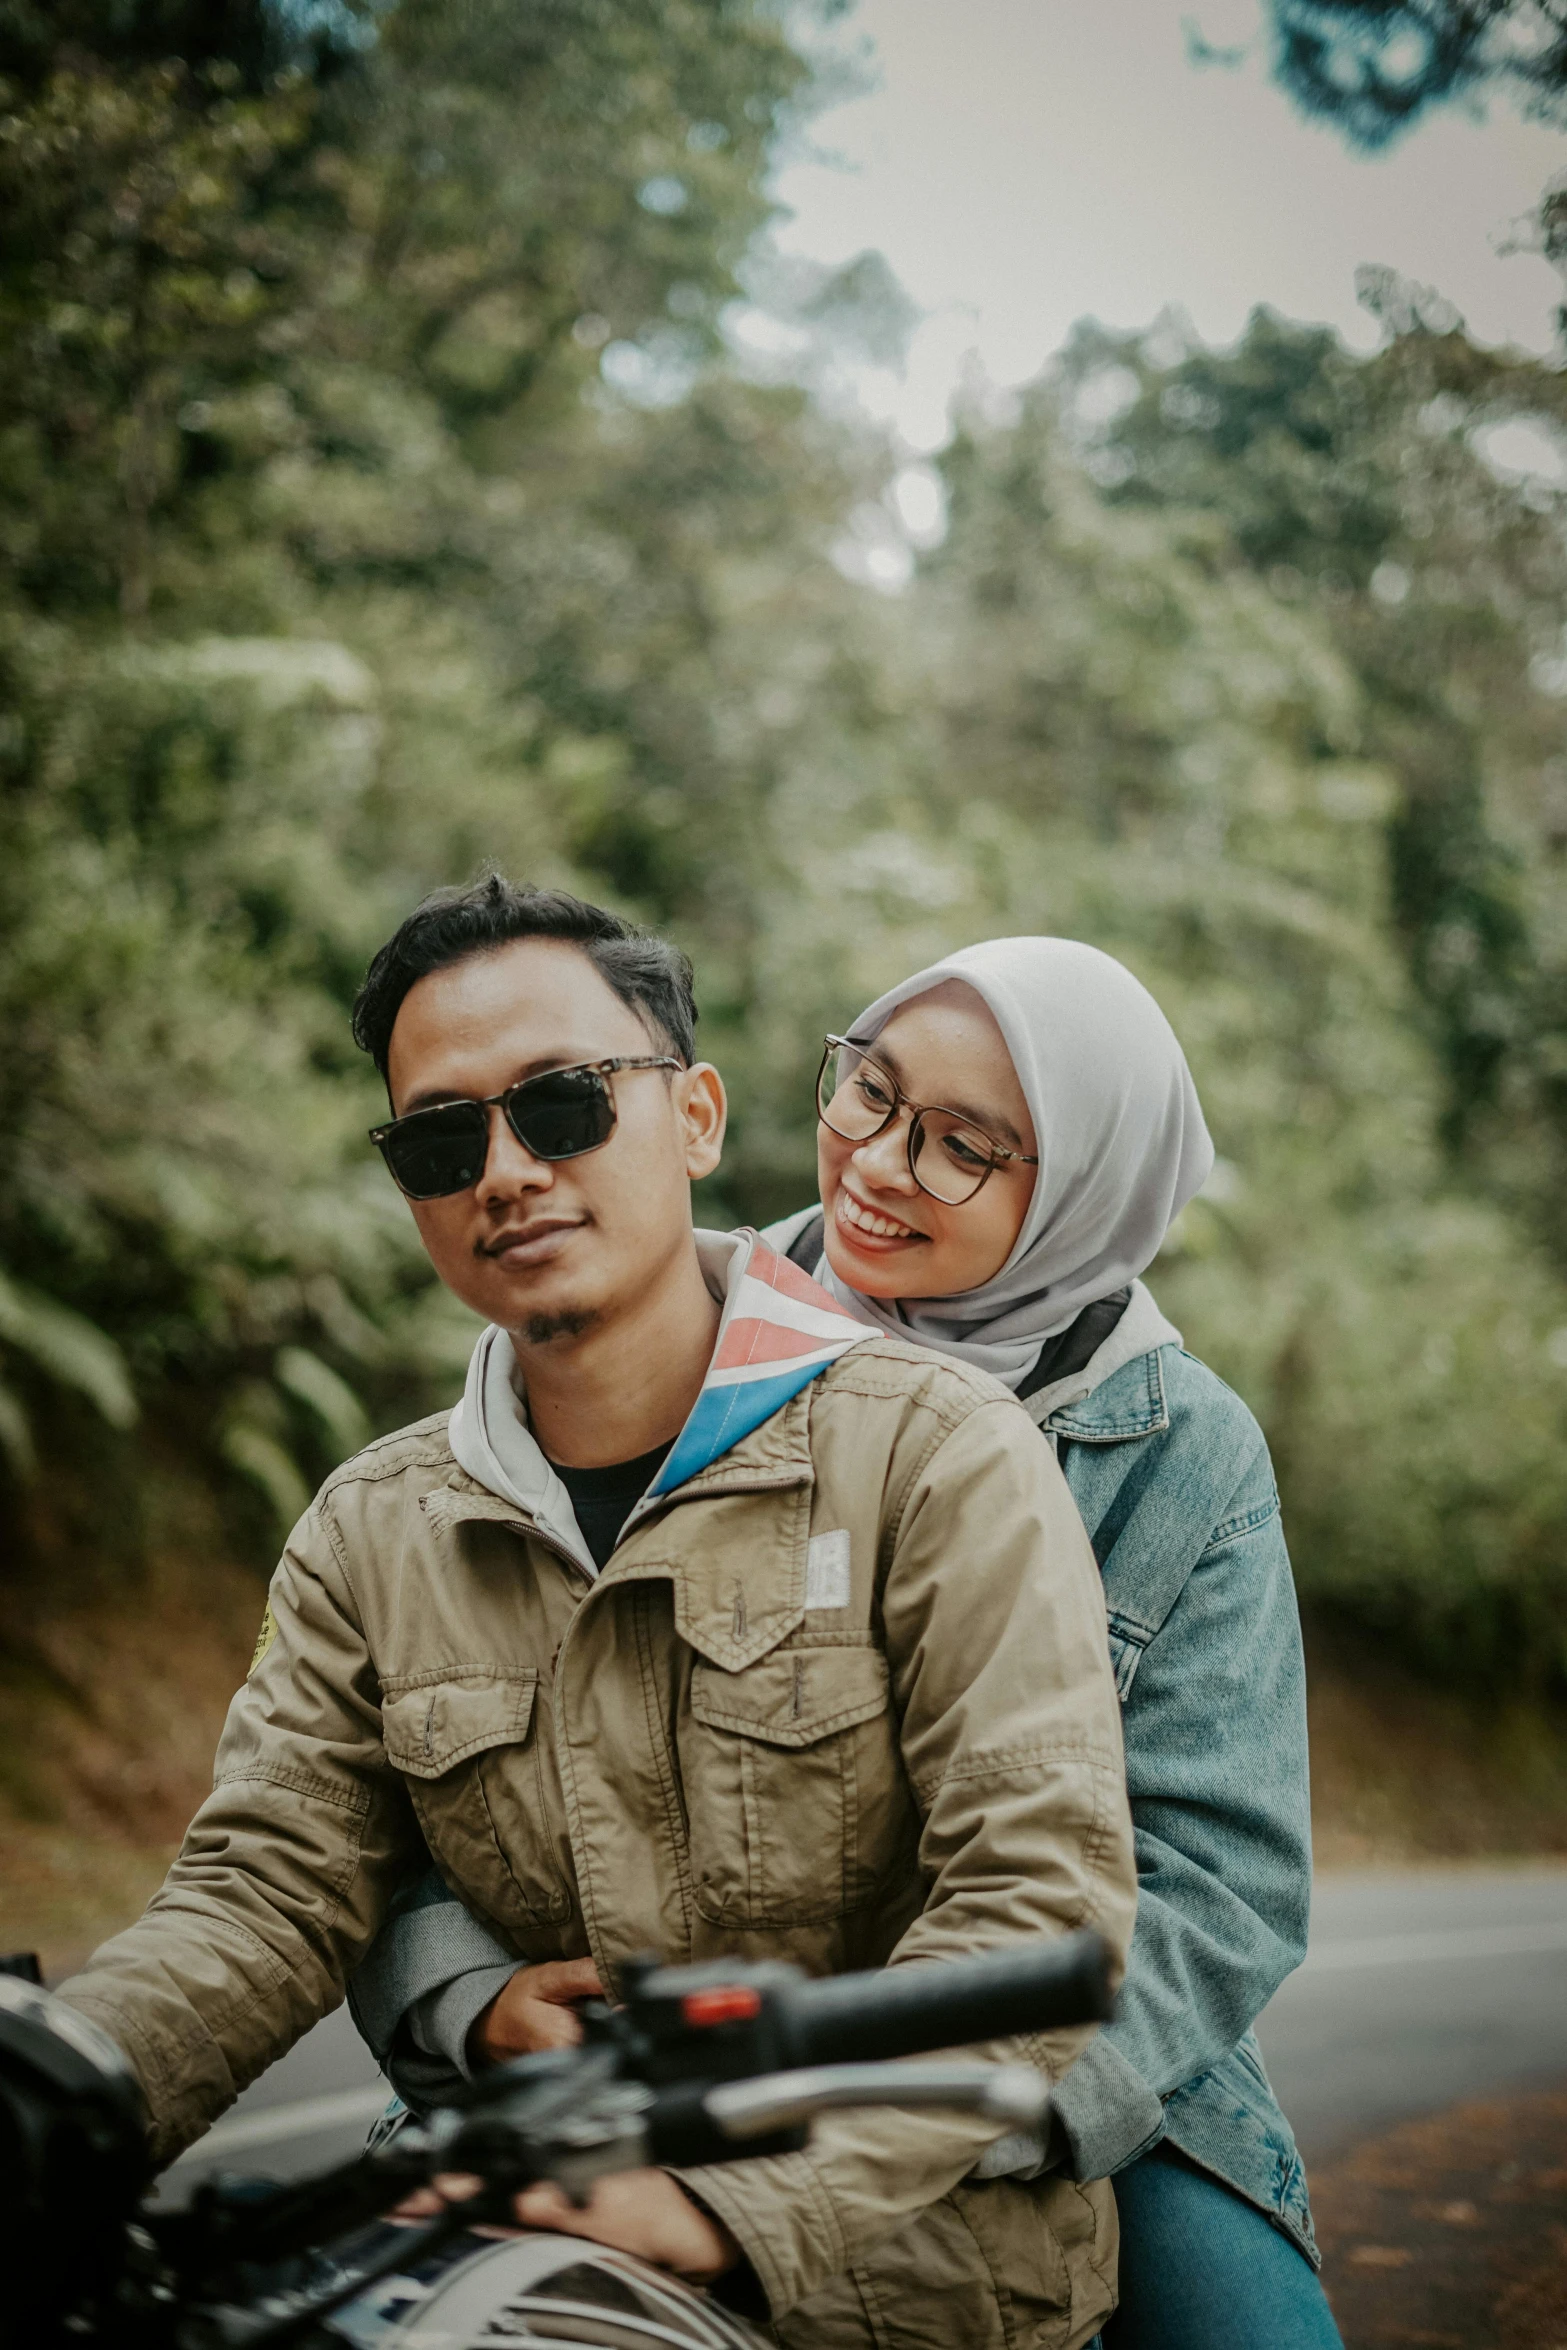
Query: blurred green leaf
pixel 68 1348
pixel 324 1393
pixel 16 1437
pixel 268 1465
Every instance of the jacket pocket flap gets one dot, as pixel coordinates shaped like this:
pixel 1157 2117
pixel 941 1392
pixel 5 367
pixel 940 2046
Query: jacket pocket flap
pixel 794 1696
pixel 437 1724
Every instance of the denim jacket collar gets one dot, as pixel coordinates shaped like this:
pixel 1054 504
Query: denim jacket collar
pixel 1119 1393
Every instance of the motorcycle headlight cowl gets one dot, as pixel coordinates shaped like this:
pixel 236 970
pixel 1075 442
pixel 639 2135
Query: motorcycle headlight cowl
pixel 73 2156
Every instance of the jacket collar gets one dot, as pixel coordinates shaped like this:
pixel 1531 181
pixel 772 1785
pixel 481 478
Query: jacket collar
pixel 776 1333
pixel 1119 1392
pixel 740 1598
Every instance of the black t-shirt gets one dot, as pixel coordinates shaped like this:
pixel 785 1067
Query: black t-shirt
pixel 605 1498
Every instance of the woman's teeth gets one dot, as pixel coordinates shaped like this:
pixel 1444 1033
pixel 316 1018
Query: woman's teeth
pixel 880 1227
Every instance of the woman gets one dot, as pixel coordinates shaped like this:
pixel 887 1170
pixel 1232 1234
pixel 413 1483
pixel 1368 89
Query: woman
pixel 1009 1227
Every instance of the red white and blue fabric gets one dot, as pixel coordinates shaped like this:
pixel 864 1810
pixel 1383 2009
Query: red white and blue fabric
pixel 779 1330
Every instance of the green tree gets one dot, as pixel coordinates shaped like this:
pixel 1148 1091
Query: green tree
pixel 1373 67
pixel 1369 491
pixel 1116 720
pixel 331 560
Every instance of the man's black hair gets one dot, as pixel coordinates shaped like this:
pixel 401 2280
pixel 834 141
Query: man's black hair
pixel 654 978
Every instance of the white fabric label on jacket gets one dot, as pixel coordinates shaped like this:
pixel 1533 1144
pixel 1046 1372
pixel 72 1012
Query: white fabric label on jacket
pixel 827 1570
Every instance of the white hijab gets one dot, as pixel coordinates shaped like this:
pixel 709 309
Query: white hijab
pixel 1122 1145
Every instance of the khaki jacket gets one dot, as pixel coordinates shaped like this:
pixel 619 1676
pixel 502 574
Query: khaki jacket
pixel 687 1756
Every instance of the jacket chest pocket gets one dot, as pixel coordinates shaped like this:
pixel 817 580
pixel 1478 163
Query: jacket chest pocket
pixel 794 1788
pixel 470 1749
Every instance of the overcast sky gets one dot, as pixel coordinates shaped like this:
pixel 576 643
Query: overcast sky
pixel 1024 163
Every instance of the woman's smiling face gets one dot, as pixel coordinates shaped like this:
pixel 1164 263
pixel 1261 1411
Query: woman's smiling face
pixel 884 1236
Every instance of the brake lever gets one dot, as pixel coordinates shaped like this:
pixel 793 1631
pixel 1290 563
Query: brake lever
pixel 1012 2095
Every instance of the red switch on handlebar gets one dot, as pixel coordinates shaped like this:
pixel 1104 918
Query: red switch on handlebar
pixel 726 2003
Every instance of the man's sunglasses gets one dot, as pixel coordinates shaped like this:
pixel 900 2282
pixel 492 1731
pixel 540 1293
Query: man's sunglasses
pixel 435 1152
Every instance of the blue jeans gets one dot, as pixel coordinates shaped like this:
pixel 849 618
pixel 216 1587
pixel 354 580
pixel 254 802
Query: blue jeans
pixel 1201 2269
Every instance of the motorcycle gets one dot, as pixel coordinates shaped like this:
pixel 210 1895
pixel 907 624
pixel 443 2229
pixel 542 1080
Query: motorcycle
pixel 716 2063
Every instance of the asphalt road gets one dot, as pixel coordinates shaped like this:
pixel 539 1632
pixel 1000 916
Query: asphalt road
pixel 1421 1988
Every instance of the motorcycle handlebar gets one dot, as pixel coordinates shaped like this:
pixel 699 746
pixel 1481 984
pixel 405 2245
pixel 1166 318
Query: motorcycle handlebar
pixel 907 2010
pixel 695 2067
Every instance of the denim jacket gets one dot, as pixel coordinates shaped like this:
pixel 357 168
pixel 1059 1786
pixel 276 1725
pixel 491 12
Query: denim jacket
pixel 1171 1475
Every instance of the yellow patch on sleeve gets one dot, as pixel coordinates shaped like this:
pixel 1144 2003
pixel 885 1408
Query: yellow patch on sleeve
pixel 264 1638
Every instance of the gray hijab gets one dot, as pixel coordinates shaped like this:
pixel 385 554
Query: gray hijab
pixel 1122 1145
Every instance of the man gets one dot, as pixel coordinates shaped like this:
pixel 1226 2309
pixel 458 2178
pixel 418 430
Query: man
pixel 834 1688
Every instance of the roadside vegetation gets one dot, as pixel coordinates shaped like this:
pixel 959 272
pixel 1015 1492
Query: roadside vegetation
pixel 385 488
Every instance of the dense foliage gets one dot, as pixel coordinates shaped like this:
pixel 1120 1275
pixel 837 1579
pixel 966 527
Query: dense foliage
pixel 378 494
pixel 1373 67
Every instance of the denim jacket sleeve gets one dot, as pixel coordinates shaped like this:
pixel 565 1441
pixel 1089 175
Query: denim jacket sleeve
pixel 430 1970
pixel 1215 1731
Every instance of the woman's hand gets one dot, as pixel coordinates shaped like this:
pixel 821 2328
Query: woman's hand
pixel 641 2211
pixel 533 2011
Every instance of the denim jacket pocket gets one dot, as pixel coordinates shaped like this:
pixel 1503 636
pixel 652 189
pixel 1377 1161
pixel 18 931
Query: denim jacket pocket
pixel 1125 1657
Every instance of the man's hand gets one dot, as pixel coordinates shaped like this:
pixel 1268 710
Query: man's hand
pixel 641 2211
pixel 533 2011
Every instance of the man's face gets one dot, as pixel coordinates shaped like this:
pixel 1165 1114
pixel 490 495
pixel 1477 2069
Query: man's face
pixel 551 1248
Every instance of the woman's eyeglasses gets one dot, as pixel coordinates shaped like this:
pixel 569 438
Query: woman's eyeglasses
pixel 560 1115
pixel 949 1156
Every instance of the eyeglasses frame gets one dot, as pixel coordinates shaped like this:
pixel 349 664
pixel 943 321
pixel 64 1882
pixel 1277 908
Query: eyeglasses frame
pixel 490 1101
pixel 916 1110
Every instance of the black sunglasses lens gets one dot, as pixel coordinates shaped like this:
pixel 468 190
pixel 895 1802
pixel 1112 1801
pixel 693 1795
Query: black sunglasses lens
pixel 562 1114
pixel 438 1151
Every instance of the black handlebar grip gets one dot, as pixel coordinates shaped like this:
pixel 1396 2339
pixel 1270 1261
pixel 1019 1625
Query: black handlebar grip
pixel 906 2010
